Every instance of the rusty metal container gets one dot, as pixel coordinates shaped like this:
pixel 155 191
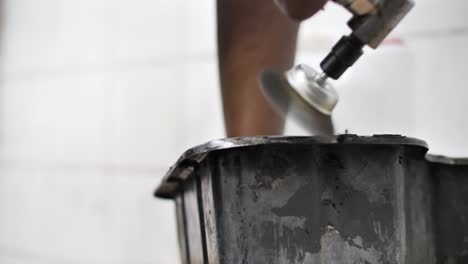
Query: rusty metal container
pixel 314 200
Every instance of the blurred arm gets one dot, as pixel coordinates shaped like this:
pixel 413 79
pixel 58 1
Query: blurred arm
pixel 252 35
pixel 300 9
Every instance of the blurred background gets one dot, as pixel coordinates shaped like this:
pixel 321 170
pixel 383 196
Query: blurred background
pixel 98 98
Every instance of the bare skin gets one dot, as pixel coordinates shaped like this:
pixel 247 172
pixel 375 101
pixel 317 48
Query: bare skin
pixel 254 35
pixel 300 9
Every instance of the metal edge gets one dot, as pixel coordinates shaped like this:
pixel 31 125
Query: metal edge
pixel 185 166
pixel 438 159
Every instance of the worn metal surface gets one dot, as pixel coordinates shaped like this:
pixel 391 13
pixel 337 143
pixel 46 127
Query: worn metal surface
pixel 451 211
pixel 319 200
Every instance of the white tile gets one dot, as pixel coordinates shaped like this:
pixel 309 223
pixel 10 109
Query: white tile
pixel 145 120
pixel 84 215
pixel 441 93
pixel 46 35
pixel 47 118
pixel 7 257
pixel 203 114
pixel 131 117
pixel 143 29
pixel 66 36
pixel 198 29
pixel 378 94
pixel 433 15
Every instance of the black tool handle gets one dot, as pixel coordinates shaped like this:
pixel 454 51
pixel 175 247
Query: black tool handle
pixel 342 56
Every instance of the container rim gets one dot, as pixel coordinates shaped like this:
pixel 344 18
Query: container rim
pixel 439 159
pixel 183 169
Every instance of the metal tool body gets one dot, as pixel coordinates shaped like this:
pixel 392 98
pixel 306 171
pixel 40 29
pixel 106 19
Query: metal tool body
pixel 372 21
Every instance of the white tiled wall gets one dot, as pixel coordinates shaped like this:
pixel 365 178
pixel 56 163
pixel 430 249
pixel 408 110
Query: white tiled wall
pixel 83 213
pixel 99 97
pixel 92 115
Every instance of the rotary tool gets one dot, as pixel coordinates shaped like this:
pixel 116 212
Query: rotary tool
pixel 305 93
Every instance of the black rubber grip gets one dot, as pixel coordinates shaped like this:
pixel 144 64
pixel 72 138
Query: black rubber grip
pixel 342 56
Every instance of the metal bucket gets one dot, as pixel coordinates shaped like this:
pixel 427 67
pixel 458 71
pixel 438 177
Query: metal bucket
pixel 314 200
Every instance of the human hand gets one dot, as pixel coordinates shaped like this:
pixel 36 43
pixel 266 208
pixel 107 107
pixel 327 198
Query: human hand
pixel 300 9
